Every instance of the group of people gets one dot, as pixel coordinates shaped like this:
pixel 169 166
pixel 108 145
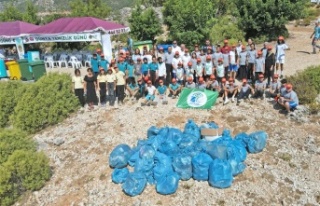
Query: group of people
pixel 152 74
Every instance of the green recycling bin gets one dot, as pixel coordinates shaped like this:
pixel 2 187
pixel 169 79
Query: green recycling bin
pixel 141 44
pixel 26 75
pixel 38 68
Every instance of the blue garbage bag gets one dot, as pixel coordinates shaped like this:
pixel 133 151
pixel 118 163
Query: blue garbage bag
pixel 220 174
pixel 237 167
pixel 168 184
pixel 146 152
pixel 146 167
pixel 182 165
pixel 163 165
pixel 174 135
pixel 134 184
pixel 134 156
pixel 119 156
pixel 217 149
pixel 200 166
pixel 243 138
pixel 192 129
pixel 156 141
pixel 226 135
pixel 119 175
pixel 169 147
pixel 152 131
pixel 163 132
pixel 240 150
pixel 257 141
pixel 187 143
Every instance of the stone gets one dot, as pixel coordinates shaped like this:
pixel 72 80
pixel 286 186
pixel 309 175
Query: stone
pixel 58 141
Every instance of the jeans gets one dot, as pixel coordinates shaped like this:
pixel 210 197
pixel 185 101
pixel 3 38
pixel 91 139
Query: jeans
pixel 168 70
pixel 111 94
pixel 120 92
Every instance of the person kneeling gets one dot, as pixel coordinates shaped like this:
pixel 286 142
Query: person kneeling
pixel 174 89
pixel 245 91
pixel 289 100
pixel 149 99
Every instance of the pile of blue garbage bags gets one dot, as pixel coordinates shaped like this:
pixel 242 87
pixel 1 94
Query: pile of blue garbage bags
pixel 169 155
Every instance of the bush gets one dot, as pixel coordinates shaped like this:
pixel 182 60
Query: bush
pixel 10 93
pixel 47 102
pixel 11 140
pixel 307 85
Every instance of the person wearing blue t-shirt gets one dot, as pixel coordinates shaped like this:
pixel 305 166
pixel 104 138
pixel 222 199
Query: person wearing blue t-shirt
pixel 154 67
pixel 103 63
pixel 141 86
pixel 145 68
pixel 133 89
pixel 161 92
pixel 130 70
pixel 95 64
pixel 122 66
pixel 174 89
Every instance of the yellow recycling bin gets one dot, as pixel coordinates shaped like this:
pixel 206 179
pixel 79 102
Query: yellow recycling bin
pixel 14 70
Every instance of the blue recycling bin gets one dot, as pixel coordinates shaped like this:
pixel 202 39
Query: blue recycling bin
pixel 3 70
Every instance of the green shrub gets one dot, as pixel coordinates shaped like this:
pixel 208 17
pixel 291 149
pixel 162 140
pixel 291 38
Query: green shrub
pixel 11 140
pixel 307 85
pixel 10 93
pixel 47 102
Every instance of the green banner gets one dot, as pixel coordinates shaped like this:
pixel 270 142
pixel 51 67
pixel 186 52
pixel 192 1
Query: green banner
pixel 197 98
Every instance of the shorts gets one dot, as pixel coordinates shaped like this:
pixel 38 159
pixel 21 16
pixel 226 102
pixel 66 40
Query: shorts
pixel 233 67
pixel 150 97
pixel 293 105
pixel 280 60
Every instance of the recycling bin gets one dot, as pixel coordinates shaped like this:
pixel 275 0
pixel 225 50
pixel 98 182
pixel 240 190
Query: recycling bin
pixel 14 70
pixel 141 44
pixel 38 68
pixel 26 75
pixel 3 70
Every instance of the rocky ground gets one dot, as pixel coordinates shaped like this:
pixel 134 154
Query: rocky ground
pixel 285 173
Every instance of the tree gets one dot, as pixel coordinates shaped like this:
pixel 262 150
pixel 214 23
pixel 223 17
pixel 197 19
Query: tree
pixel 10 13
pixel 144 25
pixel 93 8
pixel 187 19
pixel 30 15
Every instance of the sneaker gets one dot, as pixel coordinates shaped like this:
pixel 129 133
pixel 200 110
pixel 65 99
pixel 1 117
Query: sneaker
pixel 232 99
pixel 143 104
pixel 173 97
pixel 164 102
pixel 226 101
pixel 249 97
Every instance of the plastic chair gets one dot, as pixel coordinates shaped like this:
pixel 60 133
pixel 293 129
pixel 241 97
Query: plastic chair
pixel 49 61
pixel 63 61
pixel 87 63
pixel 74 62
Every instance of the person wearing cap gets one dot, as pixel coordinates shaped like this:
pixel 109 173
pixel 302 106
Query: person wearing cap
pixel 189 70
pixel 175 62
pixel 225 50
pixel 145 68
pixel 120 85
pixel 162 71
pixel 90 88
pixel 233 59
pixel 130 71
pixel 186 58
pixel 208 68
pixel 259 65
pixel 252 54
pixel 260 87
pixel 264 49
pixel 176 48
pixel 180 74
pixel 280 55
pixel 103 63
pixel 245 91
pixel 111 86
pixel 95 64
pixel 269 64
pixel 290 99
pixel 201 84
pixel 174 88
pixel 215 56
pixel 199 70
pixel 102 86
pixel 168 57
pixel 243 60
pixel 220 70
pixel 213 84
pixel 133 89
pixel 190 84
pixel 122 66
pixel 151 91
pixel 153 70
pixel 161 92
pixel 274 88
pixel 231 90
pixel 98 52
pixel 136 55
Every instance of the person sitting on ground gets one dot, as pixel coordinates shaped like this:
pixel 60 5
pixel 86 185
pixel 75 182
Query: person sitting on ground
pixel 149 99
pixel 260 87
pixel 141 90
pixel 274 88
pixel 202 84
pixel 174 89
pixel 245 91
pixel 231 91
pixel 289 100
pixel 161 92
pixel 133 90
pixel 213 84
pixel 222 88
pixel 190 84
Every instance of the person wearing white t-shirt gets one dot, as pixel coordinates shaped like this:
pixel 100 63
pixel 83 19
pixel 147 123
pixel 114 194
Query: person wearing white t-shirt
pixel 175 61
pixel 162 71
pixel 151 91
pixel 176 48
pixel 280 54
pixel 186 58
pixel 233 67
pixel 77 81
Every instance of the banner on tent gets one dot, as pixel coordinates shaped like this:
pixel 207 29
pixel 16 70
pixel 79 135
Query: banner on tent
pixel 62 38
pixel 197 98
pixel 4 40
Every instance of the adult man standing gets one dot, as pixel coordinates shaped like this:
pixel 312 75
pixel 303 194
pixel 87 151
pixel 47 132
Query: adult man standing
pixel 208 45
pixel 168 61
pixel 269 64
pixel 175 47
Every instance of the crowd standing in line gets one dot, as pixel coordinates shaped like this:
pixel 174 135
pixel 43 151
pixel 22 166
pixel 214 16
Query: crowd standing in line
pixel 153 74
